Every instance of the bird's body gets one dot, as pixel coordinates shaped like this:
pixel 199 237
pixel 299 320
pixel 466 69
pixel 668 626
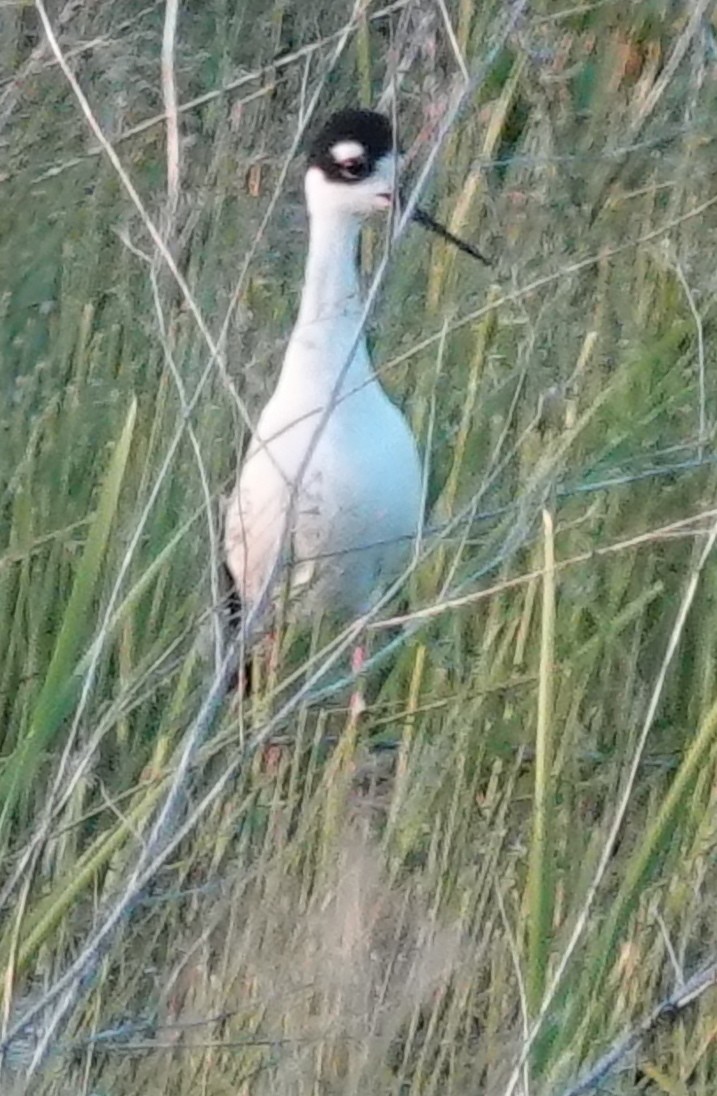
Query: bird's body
pixel 329 496
pixel 353 517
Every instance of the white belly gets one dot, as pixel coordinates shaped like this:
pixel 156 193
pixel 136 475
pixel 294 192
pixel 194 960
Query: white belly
pixel 355 513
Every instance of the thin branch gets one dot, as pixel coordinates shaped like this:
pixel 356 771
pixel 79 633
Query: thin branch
pixel 451 35
pixel 169 97
pixel 667 1010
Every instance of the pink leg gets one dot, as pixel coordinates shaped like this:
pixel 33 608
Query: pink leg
pixel 357 704
pixel 358 659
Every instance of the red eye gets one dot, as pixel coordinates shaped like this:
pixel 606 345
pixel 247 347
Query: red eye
pixel 355 168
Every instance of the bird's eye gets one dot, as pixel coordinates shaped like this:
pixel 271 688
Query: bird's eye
pixel 355 168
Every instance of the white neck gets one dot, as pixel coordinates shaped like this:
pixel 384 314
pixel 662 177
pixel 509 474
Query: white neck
pixel 331 290
pixel 327 345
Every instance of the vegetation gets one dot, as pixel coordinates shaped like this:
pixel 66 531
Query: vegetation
pixel 507 866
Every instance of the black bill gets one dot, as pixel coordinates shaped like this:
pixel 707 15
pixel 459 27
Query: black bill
pixel 425 219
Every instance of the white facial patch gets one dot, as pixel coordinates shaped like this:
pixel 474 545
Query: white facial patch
pixel 347 150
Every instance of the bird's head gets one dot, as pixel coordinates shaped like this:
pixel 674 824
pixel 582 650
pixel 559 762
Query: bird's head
pixel 352 165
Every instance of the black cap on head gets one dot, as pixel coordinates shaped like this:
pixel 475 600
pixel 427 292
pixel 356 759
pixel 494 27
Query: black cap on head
pixel 347 149
pixel 332 152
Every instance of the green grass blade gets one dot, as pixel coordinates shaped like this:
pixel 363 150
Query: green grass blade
pixel 59 687
pixel 541 871
pixel 643 865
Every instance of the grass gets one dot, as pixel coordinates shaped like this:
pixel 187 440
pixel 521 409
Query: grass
pixel 508 866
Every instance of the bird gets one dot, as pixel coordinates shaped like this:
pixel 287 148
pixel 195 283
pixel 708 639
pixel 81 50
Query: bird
pixel 329 495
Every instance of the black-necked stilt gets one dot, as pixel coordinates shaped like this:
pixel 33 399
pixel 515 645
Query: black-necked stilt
pixel 329 495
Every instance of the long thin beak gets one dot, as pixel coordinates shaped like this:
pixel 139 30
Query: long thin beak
pixel 425 219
